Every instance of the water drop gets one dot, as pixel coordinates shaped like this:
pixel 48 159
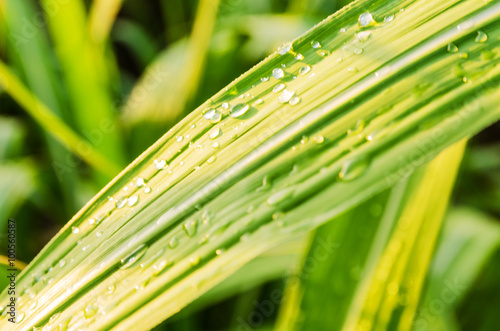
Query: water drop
pixel 214 133
pixel 239 110
pixel 353 169
pixel 219 252
pixel 278 87
pixel 160 164
pixel 53 318
pixel 481 37
pixel 132 201
pixel 285 48
pixel 315 44
pixel 293 101
pixel 211 159
pixel 173 242
pixel 140 182
pixel 365 19
pixel 360 124
pixel 190 227
pixel 62 263
pixel 318 139
pixel 278 73
pixel 158 268
pixel 389 18
pixel 358 51
pixel 120 203
pixel 75 229
pixel 133 257
pixel 352 69
pixel 63 326
pixel 258 102
pixel 363 36
pixel 32 304
pixel 90 311
pixel 452 48
pixel 304 70
pixel 285 96
pixel 20 317
pixel 147 189
pixel 299 57
pixel 280 196
pixel 264 187
pixel 142 285
pixel 194 260
pixel 179 138
pixel 98 234
pixel 111 289
pixel 212 115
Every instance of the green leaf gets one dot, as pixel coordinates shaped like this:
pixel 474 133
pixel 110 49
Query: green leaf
pixel 479 308
pixel 278 170
pixel 86 73
pixel 11 136
pixel 16 185
pixel 173 79
pixel 29 55
pixel 373 280
pixel 102 16
pixel 469 239
pixel 53 125
pixel 340 253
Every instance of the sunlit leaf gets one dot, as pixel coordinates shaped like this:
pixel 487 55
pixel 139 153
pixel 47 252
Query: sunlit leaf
pixel 254 166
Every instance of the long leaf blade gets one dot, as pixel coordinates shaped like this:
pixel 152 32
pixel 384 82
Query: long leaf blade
pixel 219 206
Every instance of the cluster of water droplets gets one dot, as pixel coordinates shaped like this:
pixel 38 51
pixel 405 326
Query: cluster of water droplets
pixel 279 75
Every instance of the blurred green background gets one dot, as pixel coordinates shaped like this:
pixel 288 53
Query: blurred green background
pixel 122 76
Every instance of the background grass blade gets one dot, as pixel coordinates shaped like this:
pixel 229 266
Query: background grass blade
pixel 174 94
pixel 365 228
pixel 392 301
pixel 53 124
pixel 216 191
pixel 102 16
pixel 468 241
pixel 86 73
pixel 370 290
pixel 28 50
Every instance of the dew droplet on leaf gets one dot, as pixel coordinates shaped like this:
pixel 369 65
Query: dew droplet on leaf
pixel 304 70
pixel 365 19
pixel 278 87
pixel 239 110
pixel 285 96
pixel 278 73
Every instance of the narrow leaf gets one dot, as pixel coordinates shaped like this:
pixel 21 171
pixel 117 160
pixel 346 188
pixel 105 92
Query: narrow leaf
pixel 250 169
